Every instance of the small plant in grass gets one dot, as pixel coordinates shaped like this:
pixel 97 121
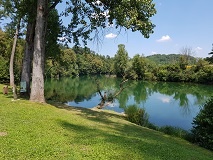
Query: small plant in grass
pixel 203 126
pixel 136 115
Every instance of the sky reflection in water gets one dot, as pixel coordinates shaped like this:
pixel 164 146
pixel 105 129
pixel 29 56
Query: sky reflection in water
pixel 174 104
pixel 162 109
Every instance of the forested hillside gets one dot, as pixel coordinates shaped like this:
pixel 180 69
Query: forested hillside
pixel 170 58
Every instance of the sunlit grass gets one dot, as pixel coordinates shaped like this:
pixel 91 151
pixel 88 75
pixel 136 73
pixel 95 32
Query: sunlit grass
pixel 42 131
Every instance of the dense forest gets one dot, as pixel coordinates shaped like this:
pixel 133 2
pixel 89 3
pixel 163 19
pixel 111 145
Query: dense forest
pixel 77 61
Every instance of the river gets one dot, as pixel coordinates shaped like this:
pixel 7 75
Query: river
pixel 174 104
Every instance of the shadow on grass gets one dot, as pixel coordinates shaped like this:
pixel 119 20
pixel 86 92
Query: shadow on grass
pixel 95 115
pixel 108 132
pixel 131 146
pixel 128 141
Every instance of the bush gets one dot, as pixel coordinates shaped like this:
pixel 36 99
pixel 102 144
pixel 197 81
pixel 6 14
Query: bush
pixel 136 115
pixel 175 131
pixel 203 126
pixel 139 116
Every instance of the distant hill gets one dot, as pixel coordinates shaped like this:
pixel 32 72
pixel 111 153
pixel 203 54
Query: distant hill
pixel 168 59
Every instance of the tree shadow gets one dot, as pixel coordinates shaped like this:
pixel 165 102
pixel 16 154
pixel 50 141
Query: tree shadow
pixel 103 128
pixel 134 142
pixel 130 145
pixel 91 114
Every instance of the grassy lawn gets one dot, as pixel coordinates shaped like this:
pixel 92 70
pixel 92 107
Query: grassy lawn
pixel 42 131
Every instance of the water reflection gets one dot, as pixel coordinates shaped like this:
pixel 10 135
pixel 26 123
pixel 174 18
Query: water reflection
pixel 166 103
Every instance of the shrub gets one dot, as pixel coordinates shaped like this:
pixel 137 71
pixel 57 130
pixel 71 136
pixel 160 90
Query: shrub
pixel 202 130
pixel 175 131
pixel 139 116
pixel 136 115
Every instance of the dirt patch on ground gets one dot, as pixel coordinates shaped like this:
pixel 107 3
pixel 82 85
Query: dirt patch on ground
pixel 3 134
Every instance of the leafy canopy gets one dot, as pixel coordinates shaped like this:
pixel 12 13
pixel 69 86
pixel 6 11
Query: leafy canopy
pixel 93 16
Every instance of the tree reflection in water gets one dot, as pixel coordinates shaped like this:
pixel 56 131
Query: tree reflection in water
pixel 80 89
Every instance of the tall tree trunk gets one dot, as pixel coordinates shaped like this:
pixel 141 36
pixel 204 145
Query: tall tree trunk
pixel 28 54
pixel 37 91
pixel 12 83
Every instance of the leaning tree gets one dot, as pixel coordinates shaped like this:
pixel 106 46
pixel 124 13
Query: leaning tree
pixel 13 9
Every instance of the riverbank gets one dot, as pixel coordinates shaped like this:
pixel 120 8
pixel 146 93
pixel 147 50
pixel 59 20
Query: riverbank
pixel 45 131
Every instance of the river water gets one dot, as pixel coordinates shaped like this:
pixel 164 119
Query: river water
pixel 174 104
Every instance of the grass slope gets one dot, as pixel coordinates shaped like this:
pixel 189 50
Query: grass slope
pixel 42 131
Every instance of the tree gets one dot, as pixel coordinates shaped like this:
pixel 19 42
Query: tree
pixel 121 59
pixel 186 53
pixel 134 16
pixel 68 63
pixel 43 10
pixel 17 10
pixel 29 46
pixel 203 125
pixel 87 17
pixel 3 57
pixel 139 66
pixel 53 30
pixel 12 83
pixel 37 92
pixel 210 59
pixel 13 9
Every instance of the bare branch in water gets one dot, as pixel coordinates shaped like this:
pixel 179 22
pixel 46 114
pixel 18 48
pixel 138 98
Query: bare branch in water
pixel 104 97
pixel 98 89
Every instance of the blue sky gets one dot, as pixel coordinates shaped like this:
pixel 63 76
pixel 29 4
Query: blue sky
pixel 179 23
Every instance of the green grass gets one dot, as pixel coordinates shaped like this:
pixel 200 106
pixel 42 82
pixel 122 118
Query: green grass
pixel 42 131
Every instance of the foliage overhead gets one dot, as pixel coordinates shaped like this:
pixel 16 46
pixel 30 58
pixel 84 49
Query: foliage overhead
pixel 93 16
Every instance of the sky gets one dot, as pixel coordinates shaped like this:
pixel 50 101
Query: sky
pixel 179 23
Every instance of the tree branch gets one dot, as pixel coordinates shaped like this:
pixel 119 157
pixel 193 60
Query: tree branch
pixel 121 88
pixel 54 4
pixel 99 91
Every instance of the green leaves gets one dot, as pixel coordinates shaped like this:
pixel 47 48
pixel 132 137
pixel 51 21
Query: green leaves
pixel 134 15
pixel 136 115
pixel 121 60
pixel 88 17
pixel 203 126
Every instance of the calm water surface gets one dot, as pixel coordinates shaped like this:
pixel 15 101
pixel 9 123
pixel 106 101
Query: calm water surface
pixel 174 104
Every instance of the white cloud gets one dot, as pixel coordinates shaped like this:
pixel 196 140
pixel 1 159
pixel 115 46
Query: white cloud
pixel 164 38
pixel 198 49
pixel 164 99
pixel 110 36
pixel 153 52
